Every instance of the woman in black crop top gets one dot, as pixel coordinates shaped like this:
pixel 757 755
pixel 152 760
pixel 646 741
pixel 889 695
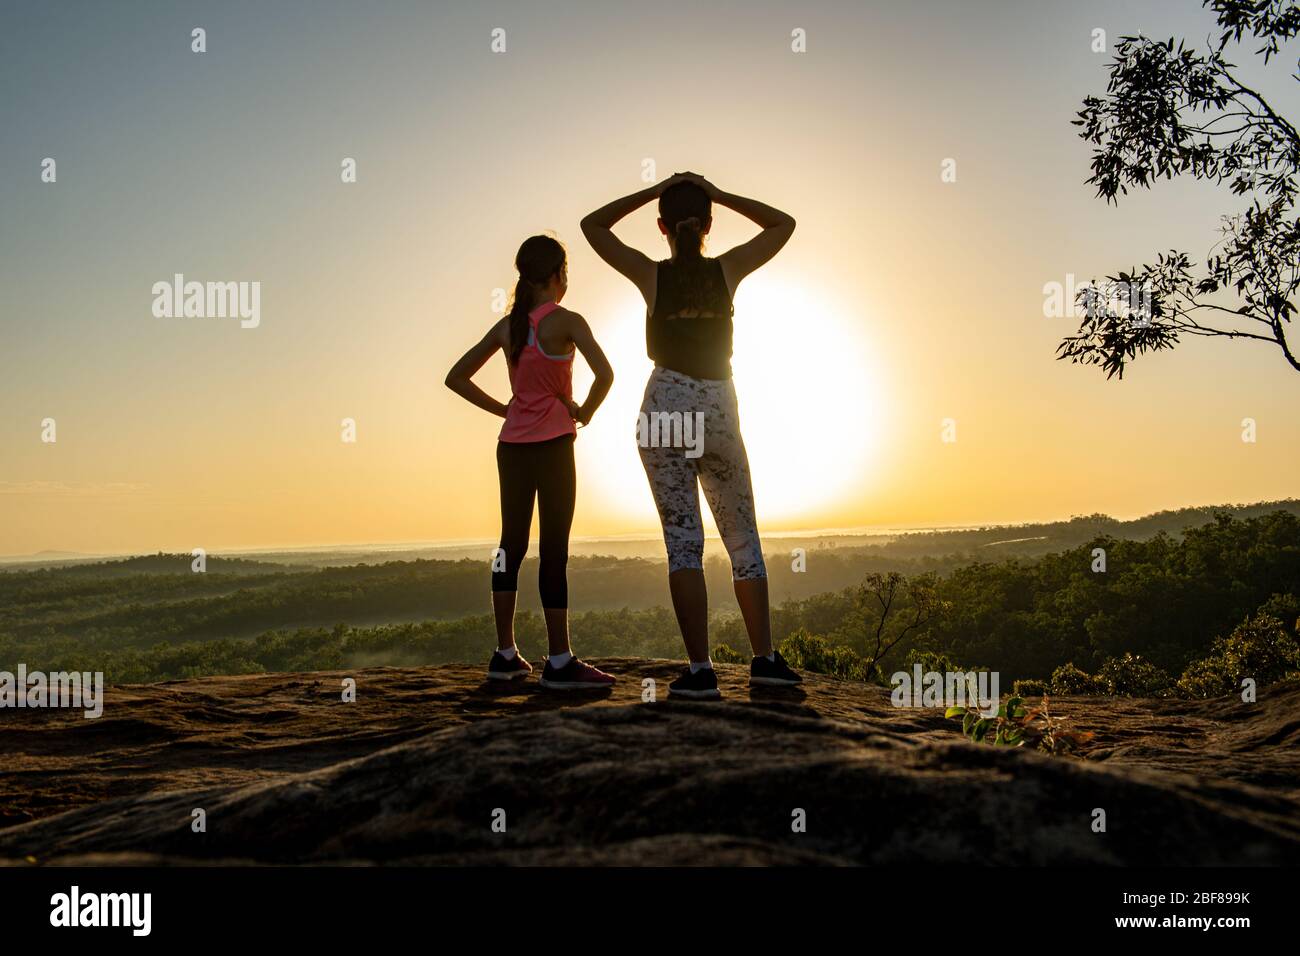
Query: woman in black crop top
pixel 689 427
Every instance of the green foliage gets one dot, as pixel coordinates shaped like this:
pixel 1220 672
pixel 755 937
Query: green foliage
pixel 1259 648
pixel 1132 676
pixel 893 607
pixel 1030 688
pixel 466 640
pixel 723 654
pixel 1068 679
pixel 1173 111
pixel 1016 725
pixel 1164 600
pixel 1004 730
pixel 804 651
pixel 934 662
pixel 1284 607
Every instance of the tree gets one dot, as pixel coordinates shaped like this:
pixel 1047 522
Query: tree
pixel 892 607
pixel 1174 111
pixel 1259 648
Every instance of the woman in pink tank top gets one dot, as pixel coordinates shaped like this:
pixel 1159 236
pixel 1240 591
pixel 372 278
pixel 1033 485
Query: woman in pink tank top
pixel 535 453
pixel 536 381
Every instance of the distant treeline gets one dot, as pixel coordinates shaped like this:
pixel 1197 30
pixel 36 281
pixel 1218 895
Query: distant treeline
pixel 141 601
pixel 1164 601
pixel 1038 539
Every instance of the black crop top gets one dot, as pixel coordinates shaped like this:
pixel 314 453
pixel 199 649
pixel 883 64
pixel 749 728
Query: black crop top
pixel 690 328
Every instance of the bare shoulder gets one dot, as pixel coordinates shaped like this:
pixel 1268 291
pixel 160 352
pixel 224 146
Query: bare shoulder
pixel 569 320
pixel 500 333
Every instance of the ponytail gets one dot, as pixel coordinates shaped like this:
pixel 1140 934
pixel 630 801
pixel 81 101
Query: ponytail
pixel 690 243
pixel 539 259
pixel 519 309
pixel 686 211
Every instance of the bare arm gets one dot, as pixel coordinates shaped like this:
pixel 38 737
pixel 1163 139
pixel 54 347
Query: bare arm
pixel 743 259
pixel 598 228
pixel 585 343
pixel 459 379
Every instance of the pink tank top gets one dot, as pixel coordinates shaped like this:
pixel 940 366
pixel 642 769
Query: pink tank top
pixel 537 411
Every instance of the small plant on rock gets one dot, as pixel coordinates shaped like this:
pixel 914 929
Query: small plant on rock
pixel 1017 726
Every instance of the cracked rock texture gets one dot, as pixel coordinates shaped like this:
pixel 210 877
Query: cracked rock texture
pixel 420 766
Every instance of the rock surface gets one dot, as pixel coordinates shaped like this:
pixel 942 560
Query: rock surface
pixel 415 770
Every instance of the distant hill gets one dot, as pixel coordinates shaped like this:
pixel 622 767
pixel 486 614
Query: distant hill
pixel 1166 598
pixel 983 542
pixel 1035 539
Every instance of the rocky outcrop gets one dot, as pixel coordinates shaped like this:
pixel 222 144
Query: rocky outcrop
pixel 428 764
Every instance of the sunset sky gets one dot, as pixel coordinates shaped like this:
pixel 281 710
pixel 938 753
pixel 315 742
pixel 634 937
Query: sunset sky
pixel 901 300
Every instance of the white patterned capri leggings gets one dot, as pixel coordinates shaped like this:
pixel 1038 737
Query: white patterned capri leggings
pixel 688 432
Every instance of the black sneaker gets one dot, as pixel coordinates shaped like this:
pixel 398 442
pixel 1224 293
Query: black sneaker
pixel 702 685
pixel 575 675
pixel 502 669
pixel 773 673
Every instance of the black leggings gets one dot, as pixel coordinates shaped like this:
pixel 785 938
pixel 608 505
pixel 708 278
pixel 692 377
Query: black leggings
pixel 543 470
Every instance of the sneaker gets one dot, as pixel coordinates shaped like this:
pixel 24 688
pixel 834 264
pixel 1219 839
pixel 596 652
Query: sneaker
pixel 502 669
pixel 702 685
pixel 575 675
pixel 773 673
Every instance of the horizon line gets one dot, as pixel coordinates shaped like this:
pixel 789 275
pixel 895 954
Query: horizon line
pixel 627 537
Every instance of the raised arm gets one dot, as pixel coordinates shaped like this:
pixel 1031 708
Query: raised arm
pixel 743 259
pixel 585 343
pixel 460 378
pixel 598 228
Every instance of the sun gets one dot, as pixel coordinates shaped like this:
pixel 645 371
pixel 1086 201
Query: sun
pixel 810 410
pixel 809 402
